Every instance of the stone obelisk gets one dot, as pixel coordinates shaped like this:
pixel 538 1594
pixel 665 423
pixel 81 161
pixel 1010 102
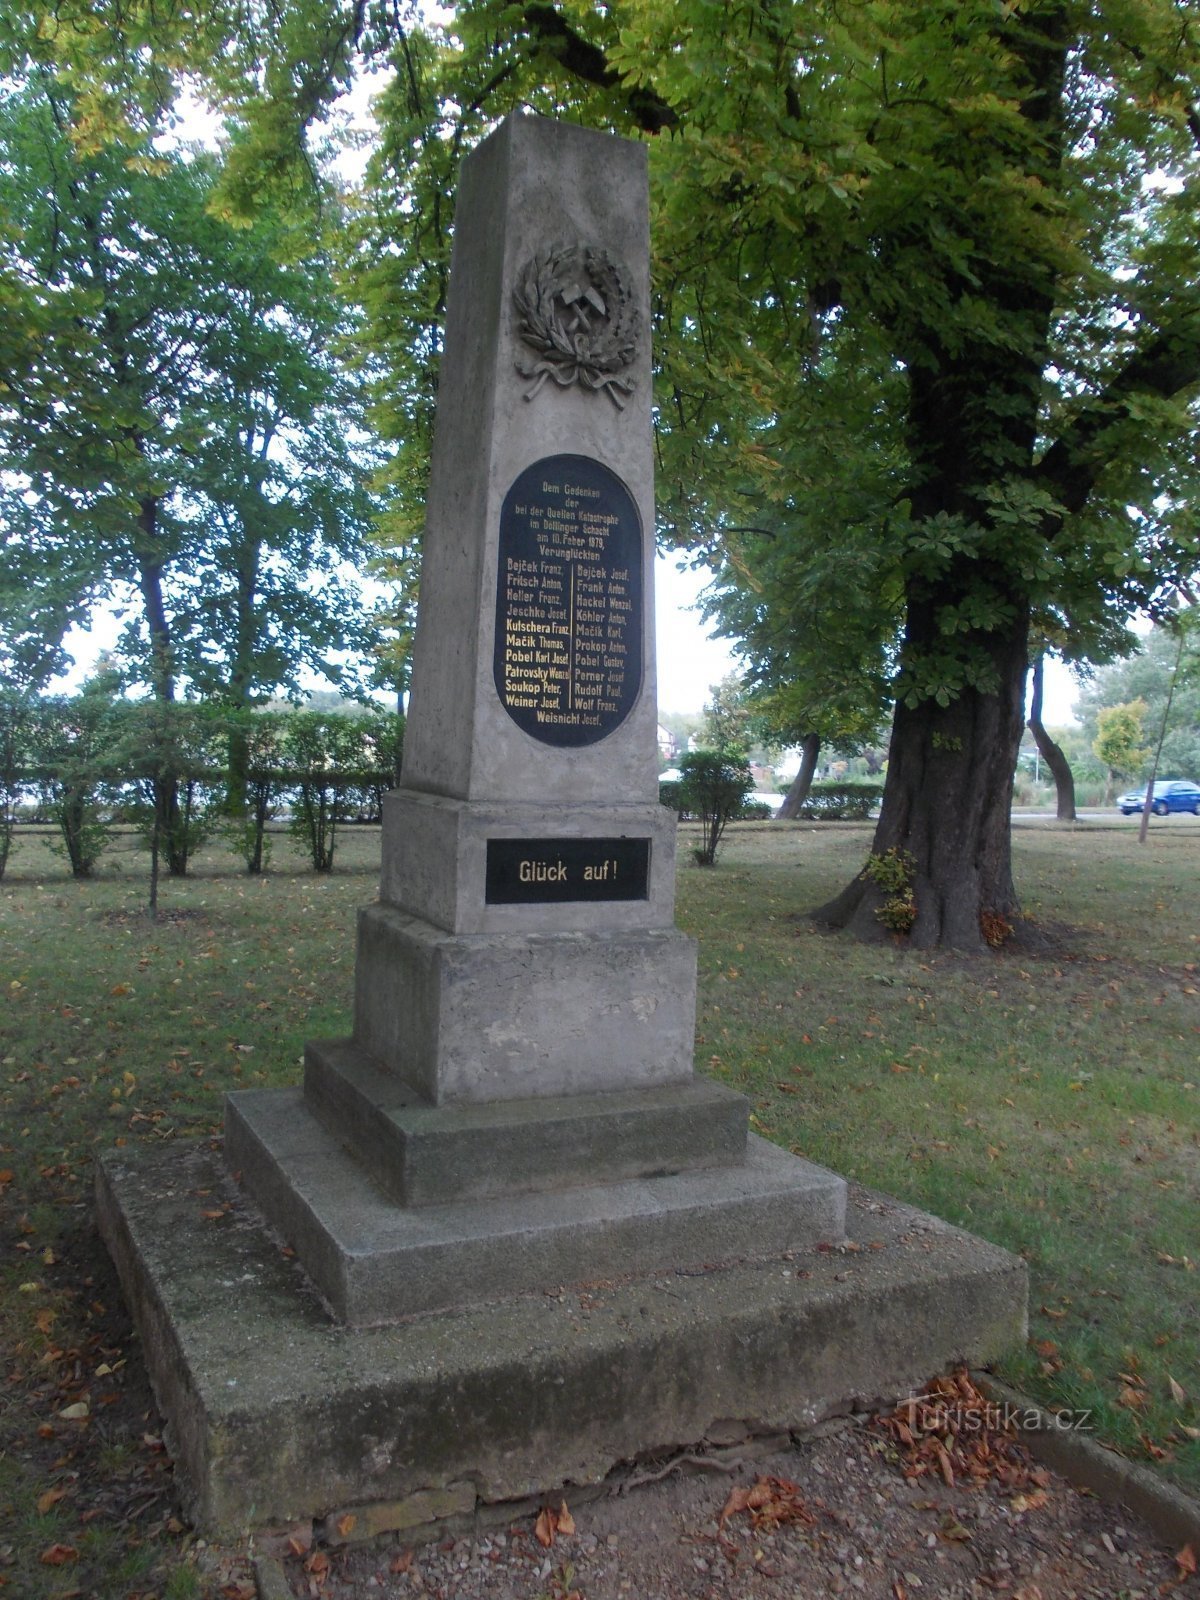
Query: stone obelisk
pixel 515 1110
pixel 517 1097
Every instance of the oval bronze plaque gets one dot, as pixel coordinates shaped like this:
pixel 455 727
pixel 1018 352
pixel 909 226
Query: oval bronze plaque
pixel 568 655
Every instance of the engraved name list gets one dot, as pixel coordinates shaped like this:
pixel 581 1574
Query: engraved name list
pixel 568 652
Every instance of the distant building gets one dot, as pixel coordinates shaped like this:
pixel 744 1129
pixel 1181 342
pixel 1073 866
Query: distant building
pixel 668 744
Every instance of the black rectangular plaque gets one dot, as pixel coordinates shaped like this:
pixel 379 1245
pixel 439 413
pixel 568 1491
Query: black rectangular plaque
pixel 544 871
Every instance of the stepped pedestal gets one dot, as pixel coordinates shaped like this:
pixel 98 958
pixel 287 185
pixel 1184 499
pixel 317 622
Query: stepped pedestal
pixel 514 1125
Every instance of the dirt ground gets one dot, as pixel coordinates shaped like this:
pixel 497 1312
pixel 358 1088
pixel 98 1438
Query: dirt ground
pixel 832 1514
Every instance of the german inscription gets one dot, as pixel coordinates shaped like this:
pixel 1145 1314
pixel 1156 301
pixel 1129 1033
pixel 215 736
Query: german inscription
pixel 538 871
pixel 568 656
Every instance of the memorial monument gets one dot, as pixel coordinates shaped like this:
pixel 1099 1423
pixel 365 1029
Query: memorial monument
pixel 515 1112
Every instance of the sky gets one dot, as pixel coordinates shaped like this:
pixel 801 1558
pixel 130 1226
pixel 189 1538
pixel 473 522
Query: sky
pixel 690 661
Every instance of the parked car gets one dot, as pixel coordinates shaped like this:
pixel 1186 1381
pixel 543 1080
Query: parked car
pixel 1170 794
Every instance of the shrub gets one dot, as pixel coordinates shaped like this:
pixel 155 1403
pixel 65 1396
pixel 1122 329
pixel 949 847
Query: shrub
pixel 671 795
pixel 892 873
pixel 256 739
pixel 841 802
pixel 713 787
pixel 325 752
pixel 72 742
pixel 17 714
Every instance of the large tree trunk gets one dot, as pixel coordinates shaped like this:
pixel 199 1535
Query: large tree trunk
pixel 972 426
pixel 1051 753
pixel 947 803
pixel 793 801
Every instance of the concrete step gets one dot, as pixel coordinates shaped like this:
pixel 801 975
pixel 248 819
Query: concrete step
pixel 374 1261
pixel 434 1155
pixel 274 1412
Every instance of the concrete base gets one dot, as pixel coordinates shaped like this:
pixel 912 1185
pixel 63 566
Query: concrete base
pixel 505 1016
pixel 435 861
pixel 431 1155
pixel 274 1413
pixel 374 1261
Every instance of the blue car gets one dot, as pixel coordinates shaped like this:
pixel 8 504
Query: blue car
pixel 1170 794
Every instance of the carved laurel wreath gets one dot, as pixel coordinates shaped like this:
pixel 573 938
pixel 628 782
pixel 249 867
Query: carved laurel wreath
pixel 576 311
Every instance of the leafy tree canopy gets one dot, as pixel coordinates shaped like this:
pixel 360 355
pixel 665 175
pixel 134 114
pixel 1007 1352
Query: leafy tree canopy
pixel 927 294
pixel 187 441
pixel 1167 657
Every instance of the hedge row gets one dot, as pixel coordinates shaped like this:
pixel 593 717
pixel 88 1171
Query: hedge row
pixel 841 802
pixel 89 761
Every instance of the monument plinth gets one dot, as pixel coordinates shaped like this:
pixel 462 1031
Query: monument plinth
pixel 524 1004
pixel 515 1110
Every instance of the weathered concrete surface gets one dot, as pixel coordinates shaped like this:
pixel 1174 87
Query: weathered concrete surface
pixel 531 185
pixel 375 1261
pixel 506 1016
pixel 435 858
pixel 431 1155
pixel 275 1413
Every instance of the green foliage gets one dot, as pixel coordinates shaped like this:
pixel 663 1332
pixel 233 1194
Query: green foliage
pixel 841 801
pixel 892 874
pixel 322 753
pixel 713 787
pixel 670 794
pixel 258 737
pixel 1148 676
pixel 190 443
pixel 1119 739
pixel 72 745
pixel 18 714
pixel 165 753
pixel 925 301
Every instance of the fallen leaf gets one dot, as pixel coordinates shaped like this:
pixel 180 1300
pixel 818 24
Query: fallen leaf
pixel 544 1528
pixel 50 1498
pixel 770 1501
pixel 952 1529
pixel 1178 1392
pixel 1186 1561
pixel 60 1555
pixel 402 1563
pixel 1028 1502
pixel 346 1524
pixel 74 1412
pixel 566 1522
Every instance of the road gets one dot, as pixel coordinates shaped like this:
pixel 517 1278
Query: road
pixel 1110 815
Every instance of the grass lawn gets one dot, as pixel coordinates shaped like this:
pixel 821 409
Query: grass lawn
pixel 1046 1097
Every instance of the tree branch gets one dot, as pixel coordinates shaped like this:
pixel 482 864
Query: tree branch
pixel 1166 365
pixel 552 33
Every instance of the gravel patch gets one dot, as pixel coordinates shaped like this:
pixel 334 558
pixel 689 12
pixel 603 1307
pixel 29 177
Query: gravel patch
pixel 829 1515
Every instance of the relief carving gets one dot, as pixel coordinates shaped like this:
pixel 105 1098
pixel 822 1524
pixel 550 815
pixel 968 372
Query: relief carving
pixel 575 310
